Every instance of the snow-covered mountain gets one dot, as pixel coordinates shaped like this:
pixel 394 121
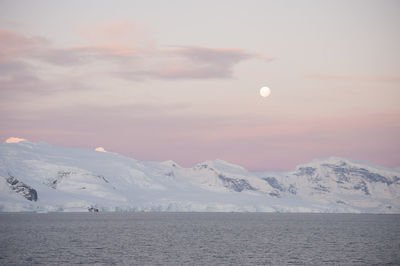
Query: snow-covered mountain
pixel 43 177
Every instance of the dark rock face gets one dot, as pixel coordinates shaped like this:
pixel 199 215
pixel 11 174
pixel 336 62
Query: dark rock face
pixel 203 166
pixel 93 209
pixel 275 194
pixel 23 189
pixel 60 176
pixel 346 176
pixel 345 173
pixel 292 189
pixel 103 178
pixel 274 183
pixel 311 173
pixel 321 188
pixel 237 185
pixel 306 171
pixel 363 187
pixel 372 177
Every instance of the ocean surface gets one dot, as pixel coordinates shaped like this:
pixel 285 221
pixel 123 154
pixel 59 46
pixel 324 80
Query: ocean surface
pixel 199 239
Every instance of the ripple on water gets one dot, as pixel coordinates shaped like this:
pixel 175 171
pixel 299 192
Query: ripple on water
pixel 199 239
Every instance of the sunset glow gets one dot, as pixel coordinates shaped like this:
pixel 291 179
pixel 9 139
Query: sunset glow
pixel 100 149
pixel 14 140
pixel 157 81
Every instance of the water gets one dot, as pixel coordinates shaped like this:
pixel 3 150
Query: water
pixel 199 239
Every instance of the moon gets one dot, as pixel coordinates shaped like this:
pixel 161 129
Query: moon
pixel 265 92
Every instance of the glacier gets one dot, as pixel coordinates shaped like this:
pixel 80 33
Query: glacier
pixel 42 177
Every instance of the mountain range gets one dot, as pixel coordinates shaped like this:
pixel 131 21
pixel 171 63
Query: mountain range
pixel 42 177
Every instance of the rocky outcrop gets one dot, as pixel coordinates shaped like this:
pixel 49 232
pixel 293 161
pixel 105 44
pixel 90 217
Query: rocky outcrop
pixel 21 188
pixel 93 209
pixel 235 184
pixel 273 182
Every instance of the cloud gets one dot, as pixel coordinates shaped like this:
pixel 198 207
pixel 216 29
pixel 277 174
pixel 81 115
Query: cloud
pixel 14 140
pixel 16 77
pixel 15 46
pixel 100 149
pixel 26 59
pixel 120 33
pixel 129 63
pixel 362 78
pixel 188 63
pixel 17 72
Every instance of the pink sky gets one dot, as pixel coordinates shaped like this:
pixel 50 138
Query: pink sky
pixel 158 81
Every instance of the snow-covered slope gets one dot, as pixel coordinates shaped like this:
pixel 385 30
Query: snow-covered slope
pixel 43 177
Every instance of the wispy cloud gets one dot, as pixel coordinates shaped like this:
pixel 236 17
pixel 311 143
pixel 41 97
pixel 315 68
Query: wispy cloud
pixel 16 76
pixel 188 63
pixel 362 78
pixel 122 58
pixel 15 46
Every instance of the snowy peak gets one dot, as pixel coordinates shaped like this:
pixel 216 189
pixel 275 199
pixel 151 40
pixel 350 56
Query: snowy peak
pixel 46 177
pixel 345 162
pixel 171 163
pixel 348 183
pixel 343 170
pixel 221 165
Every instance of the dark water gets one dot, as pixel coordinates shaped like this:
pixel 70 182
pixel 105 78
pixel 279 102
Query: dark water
pixel 199 239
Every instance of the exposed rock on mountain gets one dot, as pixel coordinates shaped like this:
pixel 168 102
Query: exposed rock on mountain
pixel 22 188
pixel 75 179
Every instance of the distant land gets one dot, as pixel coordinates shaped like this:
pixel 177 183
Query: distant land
pixel 42 177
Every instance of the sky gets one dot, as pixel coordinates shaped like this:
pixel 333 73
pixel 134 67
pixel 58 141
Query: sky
pixel 180 80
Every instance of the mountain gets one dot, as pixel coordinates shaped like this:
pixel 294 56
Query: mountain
pixel 43 177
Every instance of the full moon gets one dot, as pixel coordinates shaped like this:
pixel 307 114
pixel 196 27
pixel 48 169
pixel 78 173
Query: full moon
pixel 265 92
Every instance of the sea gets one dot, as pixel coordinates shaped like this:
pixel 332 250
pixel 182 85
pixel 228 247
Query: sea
pixel 163 238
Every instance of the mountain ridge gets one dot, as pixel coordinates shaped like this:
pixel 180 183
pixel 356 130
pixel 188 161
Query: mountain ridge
pixel 71 179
